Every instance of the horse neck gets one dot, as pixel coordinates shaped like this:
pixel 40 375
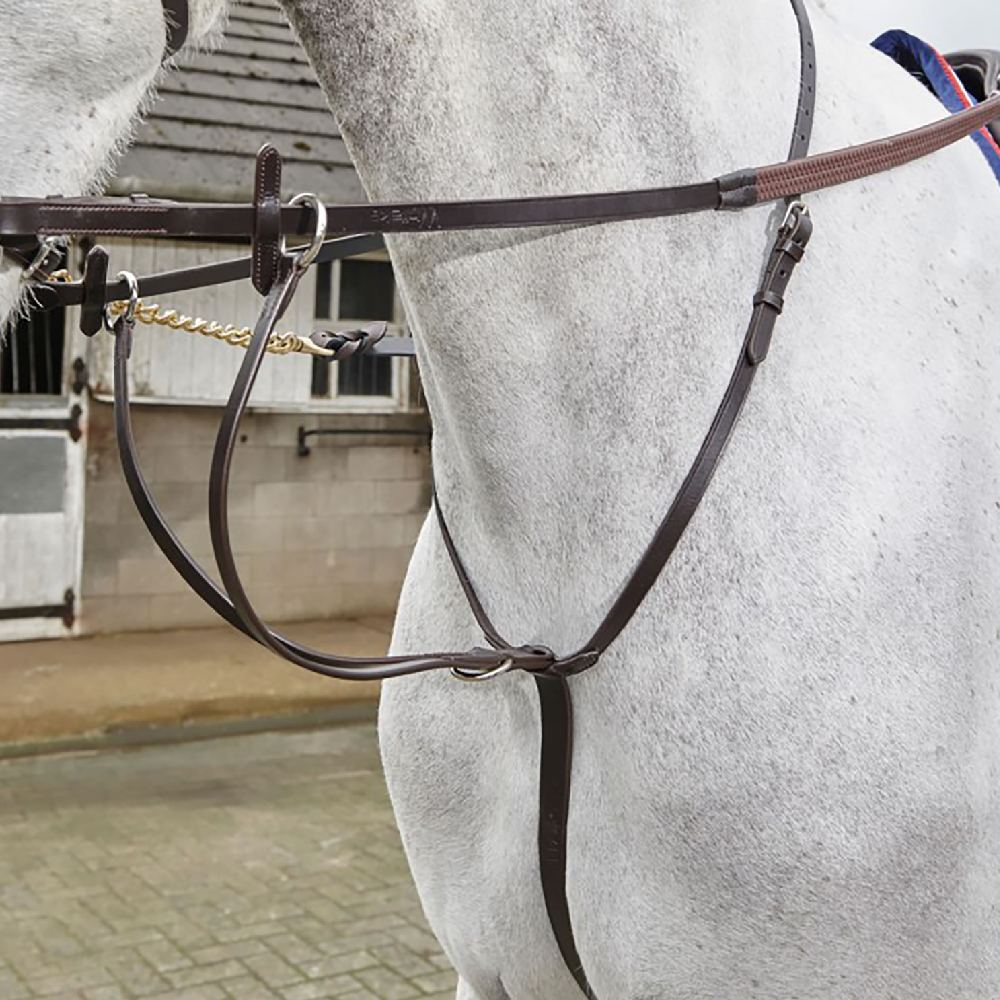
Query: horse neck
pixel 74 82
pixel 570 374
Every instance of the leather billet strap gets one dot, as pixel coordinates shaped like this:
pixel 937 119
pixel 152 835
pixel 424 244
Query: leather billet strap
pixel 145 217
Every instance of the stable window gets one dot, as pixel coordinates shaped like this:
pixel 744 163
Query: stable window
pixel 31 355
pixel 350 293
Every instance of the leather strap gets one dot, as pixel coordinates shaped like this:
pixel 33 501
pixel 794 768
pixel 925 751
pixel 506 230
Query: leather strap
pixel 267 235
pixel 234 606
pixel 144 217
pixel 555 779
pixel 787 251
pixel 555 697
pixel 55 294
pixel 92 288
pixel 805 112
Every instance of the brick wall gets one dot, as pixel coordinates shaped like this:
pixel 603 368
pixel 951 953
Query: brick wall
pixel 323 536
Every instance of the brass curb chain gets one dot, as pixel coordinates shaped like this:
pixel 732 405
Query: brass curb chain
pixel 235 336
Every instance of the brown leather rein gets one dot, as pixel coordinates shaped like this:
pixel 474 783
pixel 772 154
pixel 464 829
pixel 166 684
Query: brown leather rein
pixel 275 272
pixel 140 216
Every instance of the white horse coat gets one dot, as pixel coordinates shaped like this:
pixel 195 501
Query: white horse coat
pixel 785 783
pixel 75 75
pixel 786 768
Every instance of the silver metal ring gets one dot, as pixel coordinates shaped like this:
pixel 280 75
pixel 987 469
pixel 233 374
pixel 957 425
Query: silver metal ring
pixel 305 257
pixel 133 298
pixel 472 677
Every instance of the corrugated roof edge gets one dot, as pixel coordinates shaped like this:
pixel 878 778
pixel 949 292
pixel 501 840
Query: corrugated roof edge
pixel 196 171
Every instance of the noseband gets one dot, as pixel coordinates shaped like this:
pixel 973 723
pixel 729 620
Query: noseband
pixel 176 18
pixel 275 273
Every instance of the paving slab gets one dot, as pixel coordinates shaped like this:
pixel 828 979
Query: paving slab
pixel 113 685
pixel 263 867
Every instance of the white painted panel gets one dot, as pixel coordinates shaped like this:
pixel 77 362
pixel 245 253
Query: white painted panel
pixel 33 558
pixel 148 352
pixel 40 553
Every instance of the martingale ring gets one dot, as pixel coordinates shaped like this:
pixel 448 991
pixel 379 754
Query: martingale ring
pixel 133 300
pixel 305 257
pixel 471 677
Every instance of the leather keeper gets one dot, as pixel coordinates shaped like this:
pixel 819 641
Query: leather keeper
pixel 267 236
pixel 766 297
pixel 576 663
pixel 94 284
pixel 737 190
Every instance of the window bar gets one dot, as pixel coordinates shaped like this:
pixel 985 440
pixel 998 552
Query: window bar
pixel 15 341
pixel 48 376
pixel 29 332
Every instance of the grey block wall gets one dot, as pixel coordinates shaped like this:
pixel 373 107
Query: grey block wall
pixel 327 535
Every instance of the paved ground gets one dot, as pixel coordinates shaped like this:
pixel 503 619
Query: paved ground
pixel 107 684
pixel 252 867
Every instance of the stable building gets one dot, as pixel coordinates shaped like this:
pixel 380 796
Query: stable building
pixel 331 483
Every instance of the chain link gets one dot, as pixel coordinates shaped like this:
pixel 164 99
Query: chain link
pixel 236 336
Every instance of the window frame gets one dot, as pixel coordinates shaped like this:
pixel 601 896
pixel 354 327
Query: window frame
pixel 400 370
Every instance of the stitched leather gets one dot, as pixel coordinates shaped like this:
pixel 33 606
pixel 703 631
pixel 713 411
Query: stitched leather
pixel 52 295
pixel 20 217
pixel 267 233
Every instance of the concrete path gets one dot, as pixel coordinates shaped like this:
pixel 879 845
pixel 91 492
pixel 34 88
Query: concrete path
pixel 261 867
pixel 111 686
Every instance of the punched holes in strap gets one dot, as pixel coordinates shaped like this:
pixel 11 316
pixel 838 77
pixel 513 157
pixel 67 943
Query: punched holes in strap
pixel 769 300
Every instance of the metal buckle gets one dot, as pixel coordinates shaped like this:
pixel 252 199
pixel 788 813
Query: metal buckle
pixel 472 677
pixel 797 210
pixel 48 246
pixel 305 257
pixel 133 301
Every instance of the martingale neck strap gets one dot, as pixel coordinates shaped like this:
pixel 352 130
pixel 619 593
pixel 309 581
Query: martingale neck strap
pixel 785 254
pixel 554 694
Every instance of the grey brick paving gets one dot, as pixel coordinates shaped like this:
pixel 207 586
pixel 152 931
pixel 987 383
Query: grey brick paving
pixel 260 867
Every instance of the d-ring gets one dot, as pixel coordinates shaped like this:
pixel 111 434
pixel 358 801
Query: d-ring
pixel 133 299
pixel 305 257
pixel 460 673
